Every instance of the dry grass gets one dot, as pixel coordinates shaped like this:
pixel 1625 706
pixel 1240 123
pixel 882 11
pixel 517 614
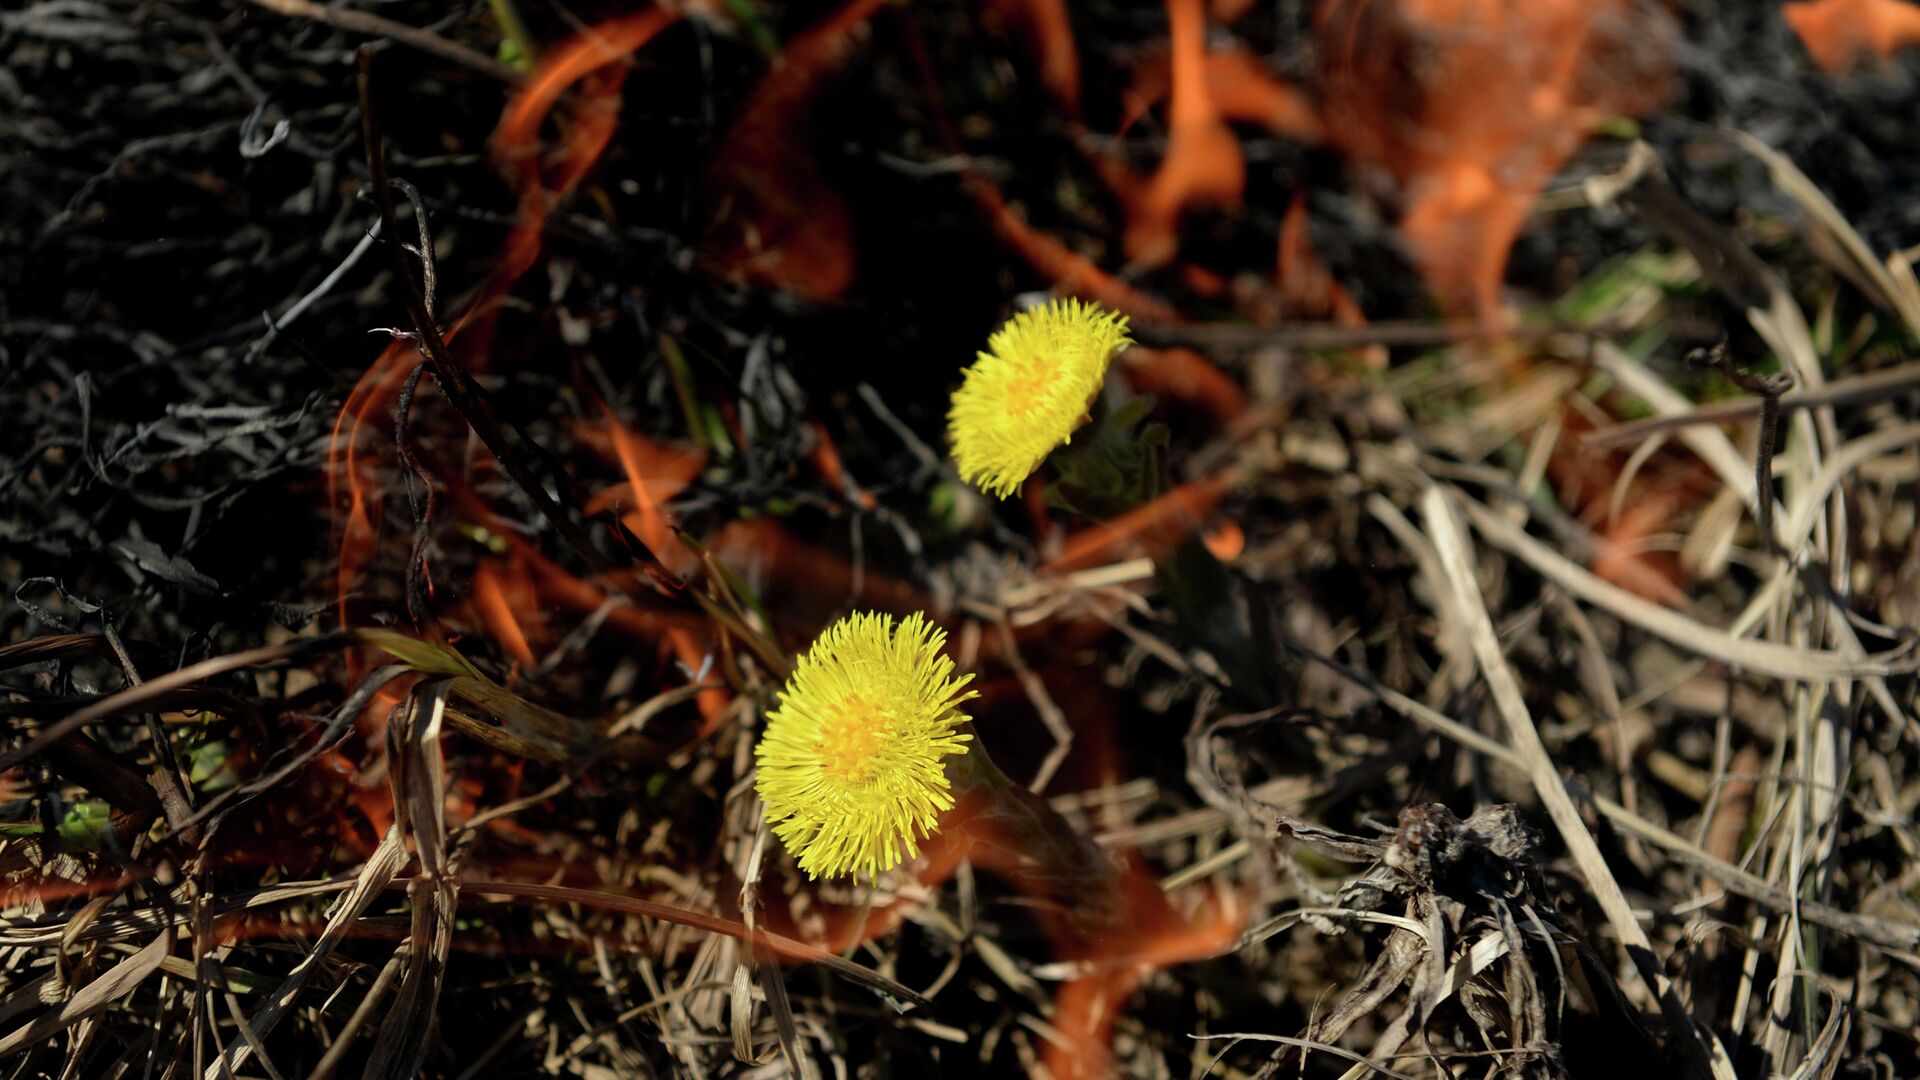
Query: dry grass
pixel 1450 702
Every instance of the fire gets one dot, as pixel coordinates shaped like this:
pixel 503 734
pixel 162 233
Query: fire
pixel 1239 86
pixel 1662 493
pixel 1472 106
pixel 654 474
pixel 496 609
pixel 1158 527
pixel 1071 273
pixel 795 231
pixel 1840 34
pixel 1184 376
pixel 1307 288
pixel 1468 106
pixel 1624 559
pixel 833 472
pixel 357 484
pixel 1051 34
pixel 1158 936
pixel 1203 165
pixel 591 58
pixel 1143 931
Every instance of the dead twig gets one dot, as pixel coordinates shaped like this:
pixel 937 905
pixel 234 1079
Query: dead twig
pixel 1450 541
pixel 1768 389
pixel 360 22
pixel 1872 386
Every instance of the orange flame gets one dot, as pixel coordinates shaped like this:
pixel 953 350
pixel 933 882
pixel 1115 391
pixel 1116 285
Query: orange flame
pixel 1156 528
pixel 1307 288
pixel 593 53
pixel 833 472
pixel 796 231
pixel 1472 106
pixel 1226 541
pixel 1203 163
pixel 1186 376
pixel 1842 33
pixel 1086 1008
pixel 351 480
pixel 1045 23
pixel 553 583
pixel 353 483
pixel 1664 489
pixel 496 610
pixel 1240 87
pixel 1072 274
pixel 14 896
pixel 654 474
pixel 1623 561
pixel 1243 90
pixel 807 581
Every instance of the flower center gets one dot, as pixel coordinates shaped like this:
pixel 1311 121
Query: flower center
pixel 851 738
pixel 1025 389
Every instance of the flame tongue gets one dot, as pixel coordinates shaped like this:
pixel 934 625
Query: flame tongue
pixel 1502 94
pixel 1842 33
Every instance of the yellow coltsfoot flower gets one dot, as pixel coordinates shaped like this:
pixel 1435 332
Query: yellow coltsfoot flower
pixel 850 765
pixel 1029 390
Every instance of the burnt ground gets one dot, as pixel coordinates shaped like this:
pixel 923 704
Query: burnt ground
pixel 1278 704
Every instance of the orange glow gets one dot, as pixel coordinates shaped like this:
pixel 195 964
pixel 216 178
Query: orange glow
pixel 1050 33
pixel 1203 164
pixel 1622 561
pixel 713 701
pixel 1307 288
pixel 655 473
pixel 1072 274
pixel 16 895
pixel 354 487
pixel 1086 1008
pixel 352 481
pixel 826 460
pixel 515 140
pixel 847 927
pixel 1153 530
pixel 1472 106
pixel 793 231
pixel 1240 87
pixel 1145 934
pixel 640 623
pixel 1662 493
pixel 373 801
pixel 555 584
pixel 1841 34
pixel 1185 376
pixel 805 580
pixel 1203 281
pixel 666 468
pixel 1136 931
pixel 1243 90
pixel 1226 541
pixel 496 613
pixel 592 58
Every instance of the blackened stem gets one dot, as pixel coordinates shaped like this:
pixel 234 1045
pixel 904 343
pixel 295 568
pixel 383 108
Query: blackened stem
pixel 1768 388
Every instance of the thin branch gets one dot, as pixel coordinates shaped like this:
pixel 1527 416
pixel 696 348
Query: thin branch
pixel 1450 540
pixel 359 22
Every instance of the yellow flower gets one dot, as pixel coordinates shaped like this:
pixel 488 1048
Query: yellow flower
pixel 1029 390
pixel 850 764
